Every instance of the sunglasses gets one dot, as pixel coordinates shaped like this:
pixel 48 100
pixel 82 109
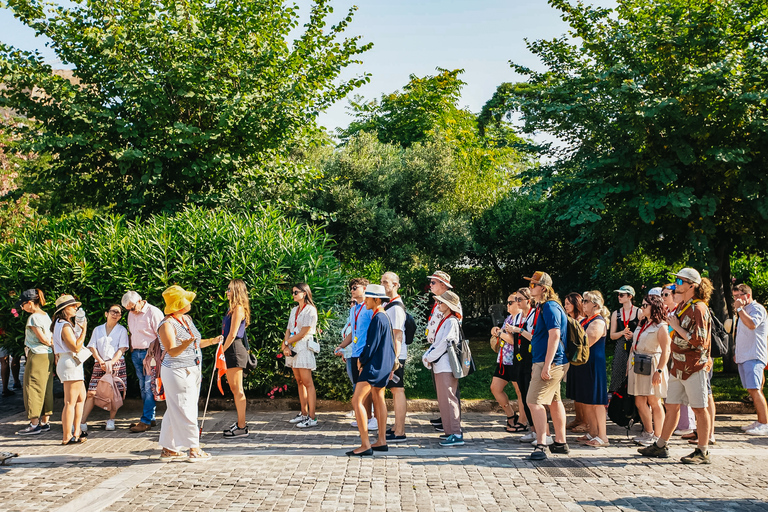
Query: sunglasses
pixel 432 281
pixel 296 292
pixel 623 294
pixel 645 305
pixel 666 294
pixel 680 282
pixel 115 313
pixel 354 288
pixel 533 285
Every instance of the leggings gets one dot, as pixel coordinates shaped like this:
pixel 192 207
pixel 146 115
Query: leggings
pixel 524 382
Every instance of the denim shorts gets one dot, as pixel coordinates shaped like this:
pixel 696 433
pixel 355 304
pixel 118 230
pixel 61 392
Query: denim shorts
pixel 751 373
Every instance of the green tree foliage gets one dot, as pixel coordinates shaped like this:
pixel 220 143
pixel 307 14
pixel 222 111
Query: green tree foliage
pixel 99 258
pixel 174 102
pixel 660 110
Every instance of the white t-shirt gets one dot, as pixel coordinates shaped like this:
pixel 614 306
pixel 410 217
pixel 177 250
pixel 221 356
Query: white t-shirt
pixel 307 318
pixel 434 320
pixel 396 316
pixel 752 343
pixel 107 345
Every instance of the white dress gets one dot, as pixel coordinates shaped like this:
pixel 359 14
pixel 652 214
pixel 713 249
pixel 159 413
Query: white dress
pixel 641 385
pixel 304 357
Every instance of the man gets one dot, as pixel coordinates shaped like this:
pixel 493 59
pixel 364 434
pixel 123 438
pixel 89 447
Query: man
pixel 359 318
pixel 752 353
pixel 691 362
pixel 550 329
pixel 395 310
pixel 143 321
pixel 439 283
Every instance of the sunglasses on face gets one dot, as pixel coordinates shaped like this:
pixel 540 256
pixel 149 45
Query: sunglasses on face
pixel 533 285
pixel 623 294
pixel 296 292
pixel 354 288
pixel 115 313
pixel 645 305
pixel 680 282
pixel 666 294
pixel 433 282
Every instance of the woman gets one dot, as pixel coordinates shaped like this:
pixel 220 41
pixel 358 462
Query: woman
pixel 652 339
pixel 521 330
pixel 236 350
pixel 376 365
pixel 435 357
pixel 624 321
pixel 302 325
pixel 38 370
pixel 69 368
pixel 507 367
pixel 592 391
pixel 180 372
pixel 109 341
pixel 572 303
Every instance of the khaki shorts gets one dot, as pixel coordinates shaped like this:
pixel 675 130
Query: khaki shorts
pixel 692 391
pixel 544 392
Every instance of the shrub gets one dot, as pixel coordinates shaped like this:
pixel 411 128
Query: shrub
pixel 99 257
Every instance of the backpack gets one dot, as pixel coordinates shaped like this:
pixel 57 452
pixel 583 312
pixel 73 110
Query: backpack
pixel 577 344
pixel 108 394
pixel 152 362
pixel 460 357
pixel 409 330
pixel 719 337
pixel 622 409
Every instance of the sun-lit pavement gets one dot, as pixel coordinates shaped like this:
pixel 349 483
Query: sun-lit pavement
pixel 283 468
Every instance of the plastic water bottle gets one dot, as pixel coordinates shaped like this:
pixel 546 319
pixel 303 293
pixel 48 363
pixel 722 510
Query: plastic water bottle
pixel 80 316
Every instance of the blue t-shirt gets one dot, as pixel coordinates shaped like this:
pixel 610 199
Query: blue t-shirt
pixel 551 316
pixel 359 327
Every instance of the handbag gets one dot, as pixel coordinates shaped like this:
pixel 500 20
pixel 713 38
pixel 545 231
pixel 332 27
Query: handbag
pixel 313 346
pixel 81 356
pixel 642 364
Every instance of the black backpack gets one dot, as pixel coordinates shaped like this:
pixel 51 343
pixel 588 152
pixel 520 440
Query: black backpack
pixel 622 409
pixel 410 323
pixel 719 345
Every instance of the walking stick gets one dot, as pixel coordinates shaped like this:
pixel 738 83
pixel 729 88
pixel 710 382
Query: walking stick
pixel 210 387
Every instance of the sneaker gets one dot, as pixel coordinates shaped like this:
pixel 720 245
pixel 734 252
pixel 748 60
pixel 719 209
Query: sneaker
pixel 644 438
pixel 697 457
pixel 527 438
pixel 539 453
pixel 559 448
pixel 110 425
pixel 31 430
pixel 45 427
pixel 299 418
pixel 439 427
pixel 683 432
pixel 350 414
pixel 307 423
pixel 649 442
pixel 235 431
pixel 750 426
pixel 438 421
pixel 654 451
pixel 548 440
pixel 373 424
pixel 452 440
pixel 392 438
pixel 761 429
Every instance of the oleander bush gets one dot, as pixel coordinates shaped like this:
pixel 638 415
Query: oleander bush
pixel 98 258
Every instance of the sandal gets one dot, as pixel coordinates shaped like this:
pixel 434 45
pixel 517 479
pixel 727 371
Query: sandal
pixel 198 456
pixel 516 428
pixel 572 424
pixel 584 439
pixel 596 442
pixel 168 455
pixel 580 429
pixel 514 422
pixel 692 436
pixel 76 440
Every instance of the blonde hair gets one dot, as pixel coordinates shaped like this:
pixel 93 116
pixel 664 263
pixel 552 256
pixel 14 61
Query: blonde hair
pixel 596 298
pixel 240 298
pixel 549 294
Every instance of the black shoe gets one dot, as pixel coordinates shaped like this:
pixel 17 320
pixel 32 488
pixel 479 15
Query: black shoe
pixel 438 421
pixel 392 438
pixel 654 450
pixel 382 448
pixel 697 457
pixel 235 431
pixel 390 431
pixel 366 453
pixel 559 448
pixel 439 427
pixel 45 427
pixel 539 452
pixel 8 392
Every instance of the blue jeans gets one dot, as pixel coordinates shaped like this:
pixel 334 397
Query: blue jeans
pixel 145 386
pixel 349 372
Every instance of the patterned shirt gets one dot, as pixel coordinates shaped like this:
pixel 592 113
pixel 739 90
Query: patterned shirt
pixel 691 354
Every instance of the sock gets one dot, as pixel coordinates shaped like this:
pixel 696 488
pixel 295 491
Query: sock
pixel 84 427
pixel 703 449
pixel 661 443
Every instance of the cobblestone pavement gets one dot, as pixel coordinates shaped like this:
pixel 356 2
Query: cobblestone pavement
pixel 282 468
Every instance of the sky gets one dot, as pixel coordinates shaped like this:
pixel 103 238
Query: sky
pixel 416 37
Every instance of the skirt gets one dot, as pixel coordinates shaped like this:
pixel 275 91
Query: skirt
pixel 179 430
pixel 236 355
pixel 67 369
pixel 304 357
pixel 98 373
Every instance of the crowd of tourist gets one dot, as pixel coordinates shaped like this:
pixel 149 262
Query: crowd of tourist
pixel 661 353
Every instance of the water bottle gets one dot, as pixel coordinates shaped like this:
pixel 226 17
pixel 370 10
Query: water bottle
pixel 80 316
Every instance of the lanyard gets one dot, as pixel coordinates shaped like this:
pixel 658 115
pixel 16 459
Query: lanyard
pixel 626 320
pixel 298 312
pixel 357 314
pixel 523 321
pixel 432 312
pixel 535 319
pixel 185 326
pixel 585 322
pixel 642 330
pixel 443 321
pixel 692 301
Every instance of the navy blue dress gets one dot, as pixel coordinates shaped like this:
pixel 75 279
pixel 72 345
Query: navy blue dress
pixel 378 356
pixel 591 379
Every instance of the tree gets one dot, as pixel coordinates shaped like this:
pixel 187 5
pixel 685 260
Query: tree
pixel 660 110
pixel 174 101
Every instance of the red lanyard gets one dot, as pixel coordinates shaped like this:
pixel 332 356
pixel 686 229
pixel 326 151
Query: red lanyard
pixel 626 322
pixel 298 312
pixel 184 324
pixel 432 312
pixel 642 330
pixel 586 321
pixel 441 323
pixel 523 321
pixel 535 319
pixel 359 309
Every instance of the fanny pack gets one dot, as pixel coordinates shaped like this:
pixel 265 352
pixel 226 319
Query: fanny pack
pixel 643 364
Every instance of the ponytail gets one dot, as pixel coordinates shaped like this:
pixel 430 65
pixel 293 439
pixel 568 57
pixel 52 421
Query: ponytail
pixel 703 291
pixel 40 297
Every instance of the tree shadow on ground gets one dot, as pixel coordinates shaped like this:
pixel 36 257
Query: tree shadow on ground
pixel 652 504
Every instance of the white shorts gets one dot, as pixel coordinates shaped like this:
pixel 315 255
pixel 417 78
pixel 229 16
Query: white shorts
pixel 692 391
pixel 67 369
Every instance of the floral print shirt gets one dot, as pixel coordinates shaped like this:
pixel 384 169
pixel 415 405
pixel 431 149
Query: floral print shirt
pixel 691 354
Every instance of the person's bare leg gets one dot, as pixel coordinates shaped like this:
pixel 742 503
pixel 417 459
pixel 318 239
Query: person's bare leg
pixel 302 392
pixel 497 388
pixel 761 406
pixel 703 426
pixel 15 370
pixel 657 411
pixel 646 416
pixel 671 420
pixel 598 418
pixel 401 409
pixel 235 380
pixel 309 388
pixel 68 412
pixel 5 372
pixel 80 389
pixel 539 421
pixel 712 411
pixel 88 406
pixel 380 406
pixel 362 389
pixel 557 412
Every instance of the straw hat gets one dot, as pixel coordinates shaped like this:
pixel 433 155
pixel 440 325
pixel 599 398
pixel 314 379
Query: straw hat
pixel 451 299
pixel 177 298
pixel 65 301
pixel 443 277
pixel 376 291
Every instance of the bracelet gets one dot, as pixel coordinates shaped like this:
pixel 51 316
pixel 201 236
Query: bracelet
pixel 739 309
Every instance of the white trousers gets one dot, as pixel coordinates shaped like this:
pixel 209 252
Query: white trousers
pixel 179 430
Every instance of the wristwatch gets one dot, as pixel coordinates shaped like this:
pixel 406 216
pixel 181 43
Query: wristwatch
pixel 658 370
pixel 738 310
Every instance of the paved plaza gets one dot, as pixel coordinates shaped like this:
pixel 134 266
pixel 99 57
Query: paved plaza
pixel 282 468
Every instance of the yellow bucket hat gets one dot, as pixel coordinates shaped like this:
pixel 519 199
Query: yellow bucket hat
pixel 177 298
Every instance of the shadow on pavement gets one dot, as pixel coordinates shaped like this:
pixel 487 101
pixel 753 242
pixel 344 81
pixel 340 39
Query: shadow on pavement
pixel 649 503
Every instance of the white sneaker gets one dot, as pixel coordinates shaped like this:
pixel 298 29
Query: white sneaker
pixel 643 438
pixel 683 432
pixel 110 425
pixel 373 424
pixel 350 414
pixel 760 430
pixel 548 440
pixel 527 438
pixel 750 426
pixel 307 423
pixel 297 419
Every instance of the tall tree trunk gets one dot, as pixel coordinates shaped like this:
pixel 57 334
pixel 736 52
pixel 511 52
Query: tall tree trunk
pixel 722 300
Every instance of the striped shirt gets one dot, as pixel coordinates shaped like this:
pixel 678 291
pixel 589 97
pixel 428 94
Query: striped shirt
pixel 191 356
